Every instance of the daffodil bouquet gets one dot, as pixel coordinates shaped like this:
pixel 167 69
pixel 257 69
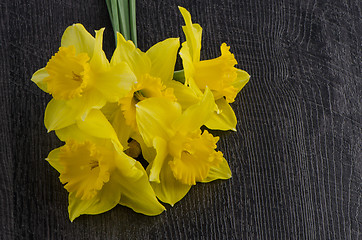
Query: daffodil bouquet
pixel 109 113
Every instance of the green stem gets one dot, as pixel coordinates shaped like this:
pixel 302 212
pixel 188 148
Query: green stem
pixel 179 76
pixel 132 21
pixel 123 14
pixel 112 10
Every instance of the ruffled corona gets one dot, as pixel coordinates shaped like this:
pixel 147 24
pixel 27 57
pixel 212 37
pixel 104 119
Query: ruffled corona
pixel 68 73
pixel 85 169
pixel 193 155
pixel 218 74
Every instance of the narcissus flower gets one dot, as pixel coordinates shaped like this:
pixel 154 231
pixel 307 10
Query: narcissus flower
pixel 80 78
pixel 218 74
pixel 152 70
pixel 184 155
pixel 97 173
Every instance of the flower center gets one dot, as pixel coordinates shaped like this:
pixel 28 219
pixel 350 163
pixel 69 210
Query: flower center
pixel 68 73
pixel 77 78
pixel 93 164
pixel 138 96
pixel 85 171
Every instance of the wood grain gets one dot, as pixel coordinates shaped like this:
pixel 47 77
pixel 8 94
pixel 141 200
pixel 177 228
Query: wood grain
pixel 295 159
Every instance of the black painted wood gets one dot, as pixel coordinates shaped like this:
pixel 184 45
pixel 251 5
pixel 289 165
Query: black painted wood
pixel 295 159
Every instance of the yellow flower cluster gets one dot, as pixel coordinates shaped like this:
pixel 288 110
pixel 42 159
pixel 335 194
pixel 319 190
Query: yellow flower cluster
pixel 110 112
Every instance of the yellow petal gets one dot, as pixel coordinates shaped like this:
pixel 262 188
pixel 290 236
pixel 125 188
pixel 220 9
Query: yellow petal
pixel 197 115
pixel 154 118
pixel 38 78
pixel 80 38
pixel 126 51
pixel 116 82
pixel 97 125
pixel 193 33
pixel 92 100
pixel 122 130
pixel 184 95
pixel 139 195
pixel 241 79
pixel 187 62
pixel 126 166
pixel 224 119
pixel 163 58
pixel 78 207
pixel 192 84
pixel 169 190
pixel 53 160
pixel 99 60
pixel 108 197
pixel 218 172
pixel 161 149
pixel 74 133
pixel 59 115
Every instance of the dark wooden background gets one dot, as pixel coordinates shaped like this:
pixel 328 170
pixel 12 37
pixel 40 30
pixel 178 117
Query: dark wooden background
pixel 295 159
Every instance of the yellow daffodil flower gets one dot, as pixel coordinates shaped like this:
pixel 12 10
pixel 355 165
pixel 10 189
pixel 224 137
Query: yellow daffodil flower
pixel 97 173
pixel 151 69
pixel 184 155
pixel 80 78
pixel 219 74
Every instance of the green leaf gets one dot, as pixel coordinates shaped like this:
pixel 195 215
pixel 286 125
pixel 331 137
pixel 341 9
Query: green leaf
pixel 123 17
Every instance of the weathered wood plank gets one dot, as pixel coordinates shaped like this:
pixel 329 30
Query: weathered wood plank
pixel 295 159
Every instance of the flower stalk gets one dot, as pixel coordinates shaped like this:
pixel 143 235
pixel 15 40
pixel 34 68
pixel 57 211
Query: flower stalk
pixel 123 17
